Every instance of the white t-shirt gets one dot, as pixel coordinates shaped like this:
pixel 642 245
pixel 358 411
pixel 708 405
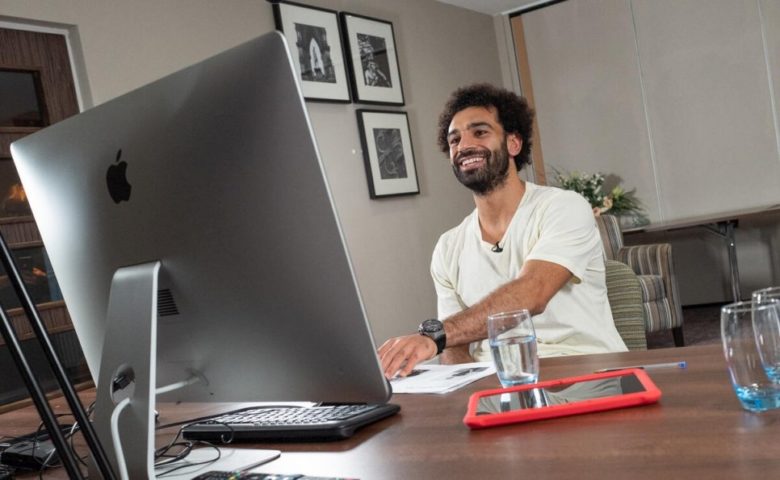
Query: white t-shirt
pixel 550 224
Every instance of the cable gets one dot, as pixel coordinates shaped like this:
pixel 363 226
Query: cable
pixel 194 464
pixel 188 446
pixel 177 385
pixel 162 452
pixel 120 457
pixel 41 434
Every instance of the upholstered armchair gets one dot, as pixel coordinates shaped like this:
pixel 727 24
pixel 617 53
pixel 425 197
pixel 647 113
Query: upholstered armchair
pixel 625 299
pixel 655 271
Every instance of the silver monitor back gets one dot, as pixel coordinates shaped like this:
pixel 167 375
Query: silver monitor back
pixel 229 193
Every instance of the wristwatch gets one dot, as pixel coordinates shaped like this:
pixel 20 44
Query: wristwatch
pixel 434 330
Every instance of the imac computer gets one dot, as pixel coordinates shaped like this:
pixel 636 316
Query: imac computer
pixel 193 234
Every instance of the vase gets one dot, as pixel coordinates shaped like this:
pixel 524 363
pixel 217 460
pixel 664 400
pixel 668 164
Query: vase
pixel 630 221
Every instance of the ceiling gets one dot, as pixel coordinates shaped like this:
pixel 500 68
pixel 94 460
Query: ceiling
pixel 493 7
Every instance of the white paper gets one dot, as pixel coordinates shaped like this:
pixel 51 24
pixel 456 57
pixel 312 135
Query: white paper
pixel 429 378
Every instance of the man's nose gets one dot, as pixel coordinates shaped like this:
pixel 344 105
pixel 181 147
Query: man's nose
pixel 466 142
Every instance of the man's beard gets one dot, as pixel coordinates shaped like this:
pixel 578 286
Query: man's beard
pixel 490 176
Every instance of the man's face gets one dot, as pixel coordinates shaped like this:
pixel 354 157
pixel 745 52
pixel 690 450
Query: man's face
pixel 479 149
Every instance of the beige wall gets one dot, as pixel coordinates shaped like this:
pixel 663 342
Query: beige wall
pixel 678 99
pixel 124 45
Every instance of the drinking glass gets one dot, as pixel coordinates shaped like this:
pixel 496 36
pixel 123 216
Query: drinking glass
pixel 513 344
pixel 755 390
pixel 767 332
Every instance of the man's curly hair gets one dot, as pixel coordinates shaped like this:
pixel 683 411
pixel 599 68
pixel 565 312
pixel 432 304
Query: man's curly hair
pixel 513 111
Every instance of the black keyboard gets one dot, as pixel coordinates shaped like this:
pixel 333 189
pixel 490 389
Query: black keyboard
pixel 281 424
pixel 218 475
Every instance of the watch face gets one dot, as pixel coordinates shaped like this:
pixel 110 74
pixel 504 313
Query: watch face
pixel 431 326
pixel 434 329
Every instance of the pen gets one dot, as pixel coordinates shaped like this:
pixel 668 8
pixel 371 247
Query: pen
pixel 650 366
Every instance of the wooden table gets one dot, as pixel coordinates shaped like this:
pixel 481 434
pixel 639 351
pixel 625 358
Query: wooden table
pixel 698 430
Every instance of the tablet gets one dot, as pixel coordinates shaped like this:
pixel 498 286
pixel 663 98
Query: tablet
pixel 562 397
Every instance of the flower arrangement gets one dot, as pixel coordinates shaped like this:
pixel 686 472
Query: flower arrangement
pixel 616 201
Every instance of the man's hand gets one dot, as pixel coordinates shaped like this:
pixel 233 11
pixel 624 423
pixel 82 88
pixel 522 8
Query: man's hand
pixel 400 354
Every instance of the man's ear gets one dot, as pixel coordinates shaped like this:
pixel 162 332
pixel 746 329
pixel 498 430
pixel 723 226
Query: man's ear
pixel 514 144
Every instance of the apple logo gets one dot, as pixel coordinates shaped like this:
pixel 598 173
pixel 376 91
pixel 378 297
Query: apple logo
pixel 116 179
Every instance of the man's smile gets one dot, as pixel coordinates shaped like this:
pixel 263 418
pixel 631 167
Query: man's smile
pixel 471 163
pixel 472 160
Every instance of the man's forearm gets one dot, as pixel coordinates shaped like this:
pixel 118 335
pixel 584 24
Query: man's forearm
pixel 536 285
pixel 470 325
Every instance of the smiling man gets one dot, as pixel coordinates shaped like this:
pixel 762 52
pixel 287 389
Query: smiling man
pixel 524 246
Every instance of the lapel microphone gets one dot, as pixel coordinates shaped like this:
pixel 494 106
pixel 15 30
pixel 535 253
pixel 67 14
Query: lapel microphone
pixel 496 248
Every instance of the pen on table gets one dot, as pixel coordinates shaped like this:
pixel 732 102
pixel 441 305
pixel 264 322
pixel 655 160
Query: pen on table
pixel 649 366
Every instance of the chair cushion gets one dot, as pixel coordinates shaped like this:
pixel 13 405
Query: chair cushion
pixel 625 301
pixel 652 287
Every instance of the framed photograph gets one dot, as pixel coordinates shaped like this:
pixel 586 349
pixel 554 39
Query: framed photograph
pixel 373 60
pixel 387 153
pixel 315 44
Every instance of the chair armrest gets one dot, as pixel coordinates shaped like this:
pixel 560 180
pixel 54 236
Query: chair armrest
pixel 656 259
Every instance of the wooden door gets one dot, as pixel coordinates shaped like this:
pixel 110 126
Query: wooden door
pixel 36 90
pixel 524 71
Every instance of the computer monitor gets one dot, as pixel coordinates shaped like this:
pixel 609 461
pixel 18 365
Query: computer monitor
pixel 225 188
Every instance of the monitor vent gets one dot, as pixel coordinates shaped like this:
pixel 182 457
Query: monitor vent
pixel 166 306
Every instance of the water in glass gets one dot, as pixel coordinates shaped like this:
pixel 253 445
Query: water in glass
pixel 766 327
pixel 753 387
pixel 758 398
pixel 516 360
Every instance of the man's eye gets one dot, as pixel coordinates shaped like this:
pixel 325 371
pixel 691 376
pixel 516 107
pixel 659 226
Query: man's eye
pixel 454 141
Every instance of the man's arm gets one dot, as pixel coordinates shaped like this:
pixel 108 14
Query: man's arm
pixel 536 284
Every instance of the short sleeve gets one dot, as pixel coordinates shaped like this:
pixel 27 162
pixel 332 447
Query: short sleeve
pixel 567 231
pixel 448 301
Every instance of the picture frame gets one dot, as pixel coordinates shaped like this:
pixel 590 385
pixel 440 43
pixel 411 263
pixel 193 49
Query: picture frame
pixel 373 60
pixel 314 37
pixel 387 153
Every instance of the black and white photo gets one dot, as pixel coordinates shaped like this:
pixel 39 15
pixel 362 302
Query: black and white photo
pixel 387 153
pixel 314 54
pixel 373 60
pixel 315 44
pixel 390 153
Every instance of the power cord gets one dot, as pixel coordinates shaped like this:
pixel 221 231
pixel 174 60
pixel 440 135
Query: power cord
pixel 187 447
pixel 28 455
pixel 162 455
pixel 120 457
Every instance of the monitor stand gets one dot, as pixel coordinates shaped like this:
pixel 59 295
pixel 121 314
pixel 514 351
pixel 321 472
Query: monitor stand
pixel 127 378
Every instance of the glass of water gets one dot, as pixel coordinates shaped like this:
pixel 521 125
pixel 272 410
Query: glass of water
pixel 513 344
pixel 767 332
pixel 755 390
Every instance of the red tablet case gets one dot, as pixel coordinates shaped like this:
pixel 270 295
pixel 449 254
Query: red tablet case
pixel 651 394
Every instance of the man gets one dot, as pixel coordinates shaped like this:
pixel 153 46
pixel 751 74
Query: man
pixel 524 246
